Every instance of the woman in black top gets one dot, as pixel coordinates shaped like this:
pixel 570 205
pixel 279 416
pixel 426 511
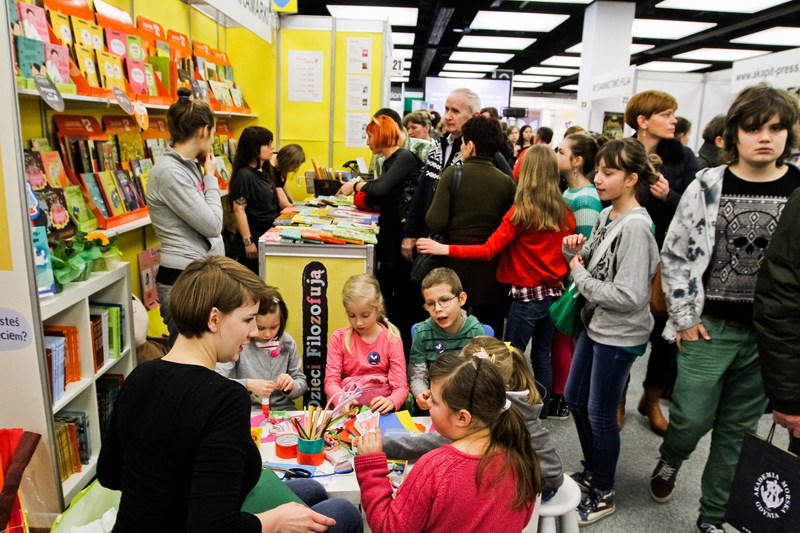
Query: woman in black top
pixel 254 193
pixel 178 445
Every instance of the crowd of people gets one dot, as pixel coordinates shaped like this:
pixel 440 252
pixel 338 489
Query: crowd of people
pixel 611 224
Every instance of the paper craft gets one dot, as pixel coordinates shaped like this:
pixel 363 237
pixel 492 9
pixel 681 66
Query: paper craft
pixel 366 421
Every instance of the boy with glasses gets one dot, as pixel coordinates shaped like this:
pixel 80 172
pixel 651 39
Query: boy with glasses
pixel 448 328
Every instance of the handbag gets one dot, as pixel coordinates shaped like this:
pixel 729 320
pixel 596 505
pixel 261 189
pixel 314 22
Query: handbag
pixel 566 311
pixel 765 489
pixel 424 263
pixel 658 301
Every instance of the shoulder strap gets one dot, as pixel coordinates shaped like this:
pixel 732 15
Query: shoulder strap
pixel 454 186
pixel 609 238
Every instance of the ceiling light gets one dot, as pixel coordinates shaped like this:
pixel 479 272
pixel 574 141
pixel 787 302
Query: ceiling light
pixel 405 53
pixel 406 73
pixel 403 38
pixel 723 6
pixel 719 54
pixel 470 67
pixel 395 79
pixel 672 66
pixel 571 87
pixel 563 61
pixel 495 43
pixel 516 21
pixel 463 75
pixel 397 16
pixel 525 84
pixel 635 48
pixel 528 77
pixel 481 57
pixel 667 29
pixel 777 36
pixel 551 71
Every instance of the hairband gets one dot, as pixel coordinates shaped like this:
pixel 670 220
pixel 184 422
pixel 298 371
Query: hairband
pixel 506 405
pixel 508 345
pixel 483 354
pixel 183 97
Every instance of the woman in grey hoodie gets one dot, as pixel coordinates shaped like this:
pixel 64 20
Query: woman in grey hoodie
pixel 521 392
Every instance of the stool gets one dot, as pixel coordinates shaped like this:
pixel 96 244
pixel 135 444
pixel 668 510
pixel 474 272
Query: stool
pixel 562 508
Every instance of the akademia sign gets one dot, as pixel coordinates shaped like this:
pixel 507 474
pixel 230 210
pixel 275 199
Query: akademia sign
pixel 252 14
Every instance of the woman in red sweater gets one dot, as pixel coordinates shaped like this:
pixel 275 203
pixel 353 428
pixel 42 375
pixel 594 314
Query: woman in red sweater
pixel 489 472
pixel 528 240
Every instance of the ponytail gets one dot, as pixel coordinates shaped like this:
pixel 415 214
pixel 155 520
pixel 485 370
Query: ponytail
pixel 510 434
pixel 187 116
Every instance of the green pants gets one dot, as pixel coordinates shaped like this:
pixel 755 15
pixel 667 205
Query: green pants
pixel 719 389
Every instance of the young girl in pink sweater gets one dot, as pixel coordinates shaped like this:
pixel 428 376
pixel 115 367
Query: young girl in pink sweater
pixel 489 474
pixel 369 352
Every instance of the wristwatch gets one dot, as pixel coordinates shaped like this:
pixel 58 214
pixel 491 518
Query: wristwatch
pixel 247 241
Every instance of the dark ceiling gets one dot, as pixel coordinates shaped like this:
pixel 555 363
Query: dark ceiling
pixel 431 52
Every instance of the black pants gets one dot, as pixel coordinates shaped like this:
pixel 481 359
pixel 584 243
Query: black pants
pixel 794 445
pixel 403 297
pixel 662 365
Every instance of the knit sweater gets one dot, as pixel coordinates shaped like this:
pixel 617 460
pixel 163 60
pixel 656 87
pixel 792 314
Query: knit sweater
pixel 440 495
pixel 412 447
pixel 378 367
pixel 617 291
pixel 258 363
pixel 430 341
pixel 529 258
pixel 586 206
pixel 185 210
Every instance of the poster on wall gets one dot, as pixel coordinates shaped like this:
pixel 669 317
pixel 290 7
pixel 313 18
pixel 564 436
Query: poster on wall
pixel 305 76
pixel 359 55
pixel 358 92
pixel 356 129
pixel 613 125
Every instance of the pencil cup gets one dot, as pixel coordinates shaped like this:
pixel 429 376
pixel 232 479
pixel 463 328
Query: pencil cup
pixel 310 452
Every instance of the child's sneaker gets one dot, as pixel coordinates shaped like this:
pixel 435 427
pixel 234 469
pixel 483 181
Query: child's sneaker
pixel 559 410
pixel 595 506
pixel 583 479
pixel 662 482
pixel 705 527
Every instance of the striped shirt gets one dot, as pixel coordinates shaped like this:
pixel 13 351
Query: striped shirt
pixel 586 207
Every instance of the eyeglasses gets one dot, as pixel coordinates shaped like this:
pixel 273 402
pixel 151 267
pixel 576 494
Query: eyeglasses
pixel 443 303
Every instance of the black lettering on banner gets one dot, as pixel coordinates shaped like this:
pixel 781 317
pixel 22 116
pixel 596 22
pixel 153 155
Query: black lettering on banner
pixel 315 331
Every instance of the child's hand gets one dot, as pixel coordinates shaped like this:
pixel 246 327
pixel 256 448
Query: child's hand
pixel 371 442
pixel 423 400
pixel 381 404
pixel 429 246
pixel 284 383
pixel 261 387
pixel 574 242
pixel 577 260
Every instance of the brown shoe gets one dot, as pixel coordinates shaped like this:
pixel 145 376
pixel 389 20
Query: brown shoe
pixel 650 407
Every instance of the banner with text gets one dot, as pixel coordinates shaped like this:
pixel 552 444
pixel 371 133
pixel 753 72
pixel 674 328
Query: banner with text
pixel 781 70
pixel 614 83
pixel 252 14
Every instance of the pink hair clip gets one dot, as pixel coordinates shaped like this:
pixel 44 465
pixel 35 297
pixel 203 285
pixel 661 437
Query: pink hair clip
pixel 481 354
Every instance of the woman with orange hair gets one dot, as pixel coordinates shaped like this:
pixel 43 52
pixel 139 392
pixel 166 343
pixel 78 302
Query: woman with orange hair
pixel 390 194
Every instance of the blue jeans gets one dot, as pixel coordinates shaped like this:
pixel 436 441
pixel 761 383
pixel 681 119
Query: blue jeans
pixel 594 386
pixel 531 320
pixel 347 516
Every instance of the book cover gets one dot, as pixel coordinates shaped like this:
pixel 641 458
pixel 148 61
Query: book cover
pixel 34 170
pixel 81 421
pixel 162 49
pixel 117 42
pixel 33 22
pixel 54 205
pixel 40 144
pixel 61 27
pixel 85 156
pixel 79 212
pixel 85 58
pixel 200 62
pixel 131 146
pixel 613 124
pixel 211 71
pixel 107 154
pixel 73 359
pixel 236 95
pixel 54 169
pixel 136 75
pixel 148 268
pixel 30 56
pixel 44 268
pixel 112 196
pixel 157 152
pixel 221 93
pixel 110 68
pixel 135 48
pixel 136 171
pixel 128 190
pixel 57 63
pixel 90 184
pixel 111 316
pixel 99 345
pixel 87 33
pixel 150 79
pixel 200 90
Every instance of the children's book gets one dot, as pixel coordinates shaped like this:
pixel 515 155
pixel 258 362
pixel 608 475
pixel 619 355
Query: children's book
pixel 236 95
pixel 135 48
pixel 150 79
pixel 90 183
pixel 54 169
pixel 137 76
pixel 30 56
pixel 157 152
pixel 221 93
pixel 149 261
pixel 33 21
pixel 34 170
pixel 117 42
pixel 162 49
pixel 57 63
pixel 79 212
pixel 110 68
pixel 87 33
pixel 136 170
pixel 85 58
pixel 131 146
pixel 127 188
pixel 61 27
pixel 40 144
pixel 200 90
pixel 107 153
pixel 44 268
pixel 111 194
pixel 54 205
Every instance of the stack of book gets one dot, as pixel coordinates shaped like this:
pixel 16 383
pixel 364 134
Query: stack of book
pixel 72 360
pixel 113 316
pixel 80 421
pixel 67 449
pixel 324 223
pixel 55 349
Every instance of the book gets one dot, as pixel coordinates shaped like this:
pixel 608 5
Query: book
pixel 113 331
pixel 33 22
pixel 30 56
pixel 127 188
pixel 111 195
pixel 117 42
pixel 116 310
pixel 34 170
pixel 613 124
pixel 107 157
pixel 87 33
pixel 236 95
pixel 150 79
pixel 136 76
pixel 224 167
pixel 200 90
pixel 57 346
pixel 54 205
pixel 110 68
pixel 135 48
pixel 131 146
pixel 85 58
pixel 221 93
pixel 79 212
pixel 45 281
pixel 57 63
pixel 80 419
pixel 54 169
pixel 60 24
pixel 72 366
pixel 89 180
pixel 40 144
pixel 162 48
pixel 149 261
pixel 99 343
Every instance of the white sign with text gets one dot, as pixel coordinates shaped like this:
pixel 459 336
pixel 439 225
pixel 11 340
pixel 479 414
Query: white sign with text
pixel 614 83
pixel 781 70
